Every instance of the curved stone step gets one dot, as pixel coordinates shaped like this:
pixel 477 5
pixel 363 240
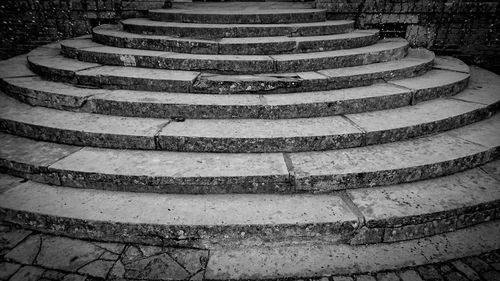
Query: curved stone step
pixel 182 172
pixel 211 31
pixel 60 68
pixel 250 135
pixel 112 35
pixel 220 15
pixel 88 51
pixel 430 208
pixel 38 92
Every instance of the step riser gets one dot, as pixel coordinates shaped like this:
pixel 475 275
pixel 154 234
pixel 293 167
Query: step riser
pixel 224 48
pixel 234 32
pixel 233 66
pixel 277 18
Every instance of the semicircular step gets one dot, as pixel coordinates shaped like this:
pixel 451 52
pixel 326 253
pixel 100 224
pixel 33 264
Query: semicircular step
pixel 440 205
pixel 112 35
pixel 60 68
pixel 317 172
pixel 255 135
pixel 38 92
pixel 88 51
pixel 211 31
pixel 219 15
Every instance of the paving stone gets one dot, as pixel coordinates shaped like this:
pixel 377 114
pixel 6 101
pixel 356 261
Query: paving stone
pixel 409 275
pixel 74 277
pixel 8 269
pixel 58 67
pixel 454 276
pixel 429 272
pixel 27 273
pixel 98 268
pixel 27 251
pixel 9 240
pixel 66 254
pixel 151 263
pixel 477 264
pixel 491 275
pixel 53 275
pixel 483 88
pixel 210 31
pixel 342 278
pixel 389 276
pixel 118 270
pixel 466 270
pixel 7 182
pixel 193 260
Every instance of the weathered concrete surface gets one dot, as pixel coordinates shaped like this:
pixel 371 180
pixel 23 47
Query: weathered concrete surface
pixel 211 31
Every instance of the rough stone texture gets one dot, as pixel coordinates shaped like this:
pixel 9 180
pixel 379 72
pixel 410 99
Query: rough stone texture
pixel 385 164
pixel 27 251
pixel 212 31
pixel 27 273
pixel 216 15
pixel 176 219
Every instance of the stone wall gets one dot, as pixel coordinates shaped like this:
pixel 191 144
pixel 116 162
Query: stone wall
pixel 26 24
pixel 467 29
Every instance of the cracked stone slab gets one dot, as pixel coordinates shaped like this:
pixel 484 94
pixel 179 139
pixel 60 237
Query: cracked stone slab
pixel 28 273
pixel 173 172
pixel 121 216
pixel 210 31
pixel 430 200
pixel 386 164
pixel 58 67
pixel 253 135
pixel 27 251
pixel 77 128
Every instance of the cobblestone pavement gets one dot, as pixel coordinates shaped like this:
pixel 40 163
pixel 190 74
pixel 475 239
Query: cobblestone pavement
pixel 30 256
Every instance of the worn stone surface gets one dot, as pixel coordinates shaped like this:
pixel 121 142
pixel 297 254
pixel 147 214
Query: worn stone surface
pixel 173 172
pixel 8 269
pixel 425 201
pixel 260 135
pixel 27 251
pixel 210 31
pixel 77 128
pixel 58 67
pixel 451 63
pixel 435 84
pixel 218 15
pixel 27 273
pixel 385 164
pixel 15 67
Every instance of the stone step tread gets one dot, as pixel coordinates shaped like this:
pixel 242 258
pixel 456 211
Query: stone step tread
pixel 220 217
pixel 113 35
pixel 38 92
pixel 89 51
pixel 200 30
pixel 243 5
pixel 183 172
pixel 232 16
pixel 253 135
pixel 120 77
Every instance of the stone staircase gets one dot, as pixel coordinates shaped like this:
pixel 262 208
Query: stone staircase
pixel 286 145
